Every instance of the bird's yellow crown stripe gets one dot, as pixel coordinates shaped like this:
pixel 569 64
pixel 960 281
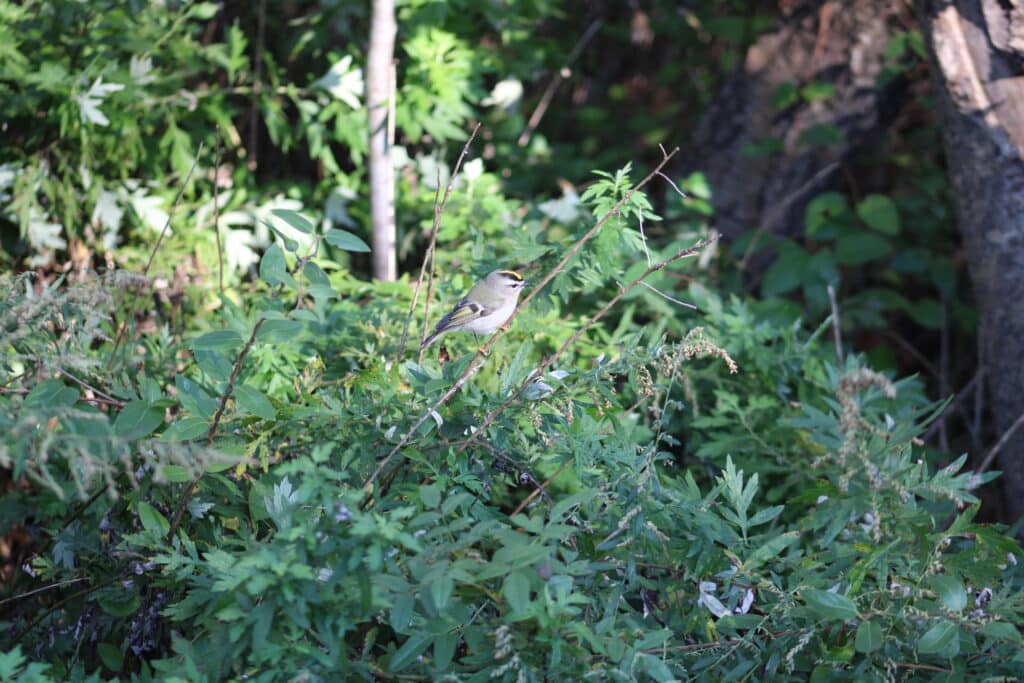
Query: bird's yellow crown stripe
pixel 512 274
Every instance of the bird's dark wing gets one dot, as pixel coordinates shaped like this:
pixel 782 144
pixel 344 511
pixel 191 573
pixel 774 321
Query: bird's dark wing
pixel 463 312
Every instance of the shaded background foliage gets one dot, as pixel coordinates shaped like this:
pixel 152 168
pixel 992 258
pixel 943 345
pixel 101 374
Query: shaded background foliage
pixel 189 423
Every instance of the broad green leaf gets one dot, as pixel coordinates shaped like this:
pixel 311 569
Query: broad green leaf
pixel 926 313
pixel 401 613
pixel 273 268
pixel 822 210
pixel 137 419
pixel 194 398
pixel 517 591
pixel 880 212
pixel 112 657
pixel 253 401
pixel 295 220
pixel 119 603
pixel 1001 630
pixel 861 247
pixel 152 520
pixel 277 331
pixel 315 274
pixel 938 638
pixel 869 637
pixel 430 495
pixel 218 339
pixel 185 429
pixel 345 240
pixel 51 393
pixel 950 591
pixel 444 650
pixel 441 591
pixel 830 605
pixel 215 364
pixel 176 474
pixel 786 272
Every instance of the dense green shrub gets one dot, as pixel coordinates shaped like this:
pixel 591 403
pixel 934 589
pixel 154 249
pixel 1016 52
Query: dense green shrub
pixel 636 512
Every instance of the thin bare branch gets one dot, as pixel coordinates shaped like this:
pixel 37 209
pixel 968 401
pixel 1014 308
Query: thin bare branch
pixel 556 80
pixel 428 257
pixel 664 295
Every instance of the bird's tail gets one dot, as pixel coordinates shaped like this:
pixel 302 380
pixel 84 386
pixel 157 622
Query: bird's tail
pixel 429 340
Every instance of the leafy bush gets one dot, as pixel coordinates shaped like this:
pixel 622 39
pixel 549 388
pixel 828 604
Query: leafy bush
pixel 282 492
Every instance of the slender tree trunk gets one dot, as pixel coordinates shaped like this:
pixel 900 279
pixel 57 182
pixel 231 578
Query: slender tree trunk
pixel 838 42
pixel 977 48
pixel 379 92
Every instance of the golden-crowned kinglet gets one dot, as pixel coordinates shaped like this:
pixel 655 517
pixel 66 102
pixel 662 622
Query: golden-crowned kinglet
pixel 486 308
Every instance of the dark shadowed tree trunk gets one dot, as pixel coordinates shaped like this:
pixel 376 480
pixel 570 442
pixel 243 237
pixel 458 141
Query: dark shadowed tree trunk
pixel 839 42
pixel 978 52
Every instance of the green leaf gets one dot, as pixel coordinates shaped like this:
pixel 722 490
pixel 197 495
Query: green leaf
pixel 880 212
pixel 51 394
pixel 253 401
pixel 185 429
pixel 119 603
pixel 294 220
pixel 869 637
pixel 765 515
pixel 444 650
pixel 939 637
pixel 830 605
pixel 441 591
pixel 821 134
pixel 112 657
pixel 193 398
pixel 137 419
pixel 277 331
pixel 410 650
pixel 950 591
pixel 176 474
pixel 273 268
pixel 926 313
pixel 786 273
pixel 822 210
pixel 1001 630
pixel 345 240
pixel 430 495
pixel 785 95
pixel 315 274
pixel 861 247
pixel 219 339
pixel 517 591
pixel 152 520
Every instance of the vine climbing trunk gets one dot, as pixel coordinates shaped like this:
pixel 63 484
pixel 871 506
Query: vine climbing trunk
pixel 379 100
pixel 977 47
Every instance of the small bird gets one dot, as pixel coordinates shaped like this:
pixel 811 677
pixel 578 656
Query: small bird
pixel 487 307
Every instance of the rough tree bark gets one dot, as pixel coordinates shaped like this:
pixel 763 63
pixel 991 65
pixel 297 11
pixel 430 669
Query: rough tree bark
pixel 977 51
pixel 840 42
pixel 379 90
